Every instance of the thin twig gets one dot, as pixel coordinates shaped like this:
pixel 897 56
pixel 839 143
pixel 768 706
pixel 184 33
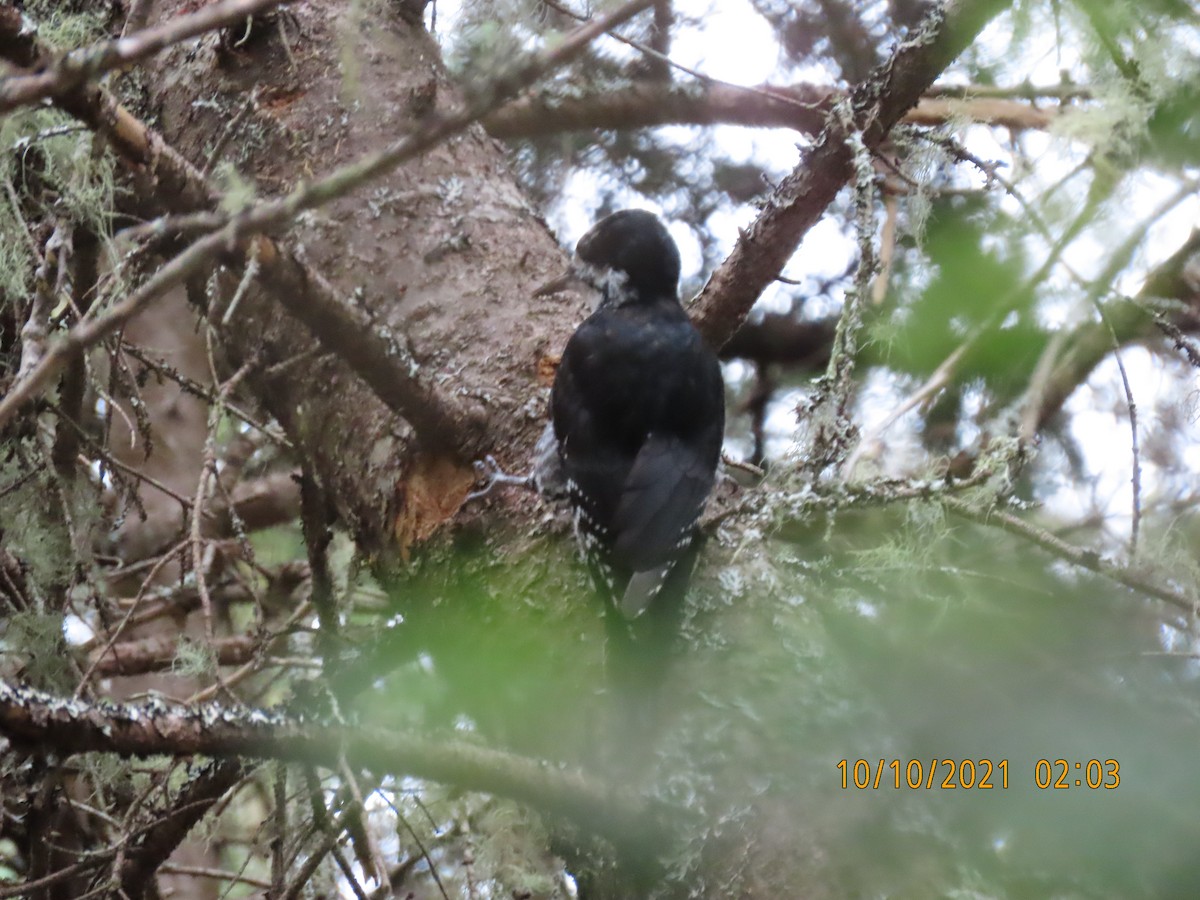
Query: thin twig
pixel 1135 478
pixel 937 381
pixel 36 331
pixel 15 202
pixel 125 621
pixel 208 474
pixel 370 857
pixel 1080 556
pixel 421 848
pixel 204 393
pixel 662 58
pixel 91 331
pixel 220 874
pixel 279 822
pixel 256 664
pixel 249 273
pixel 227 134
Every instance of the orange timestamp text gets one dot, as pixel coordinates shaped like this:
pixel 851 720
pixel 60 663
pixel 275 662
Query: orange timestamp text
pixel 926 774
pixel 1061 774
pixel 974 774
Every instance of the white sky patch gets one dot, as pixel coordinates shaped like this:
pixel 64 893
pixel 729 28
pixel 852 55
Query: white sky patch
pixel 1100 425
pixel 76 631
pixel 780 424
pixel 880 395
pixel 732 43
pixel 689 247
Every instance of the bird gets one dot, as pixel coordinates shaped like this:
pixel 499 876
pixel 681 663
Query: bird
pixel 637 412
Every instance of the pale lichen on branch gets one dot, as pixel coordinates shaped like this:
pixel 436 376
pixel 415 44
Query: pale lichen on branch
pixel 29 716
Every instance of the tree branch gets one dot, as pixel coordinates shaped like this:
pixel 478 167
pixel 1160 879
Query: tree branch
pixel 28 716
pixel 800 199
pixel 159 652
pixel 154 162
pixel 174 824
pixel 803 107
pixel 1079 556
pixel 884 491
pixel 649 103
pixel 782 339
pixel 64 75
pixel 1129 319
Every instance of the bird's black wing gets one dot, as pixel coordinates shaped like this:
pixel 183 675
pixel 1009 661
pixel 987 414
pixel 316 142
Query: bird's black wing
pixel 660 501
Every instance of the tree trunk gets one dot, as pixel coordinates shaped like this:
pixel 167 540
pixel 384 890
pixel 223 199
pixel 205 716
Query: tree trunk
pixel 445 252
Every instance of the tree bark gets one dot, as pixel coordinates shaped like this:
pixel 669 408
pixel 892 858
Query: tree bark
pixel 444 252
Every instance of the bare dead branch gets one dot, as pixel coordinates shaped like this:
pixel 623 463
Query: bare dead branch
pixel 649 103
pixel 316 517
pixel 154 654
pixel 26 889
pixel 999 112
pixel 143 150
pixel 204 392
pixel 783 339
pixel 279 827
pixel 1026 91
pixel 14 587
pixel 260 503
pixel 90 332
pixel 46 286
pixel 178 600
pixel 315 856
pixel 79 66
pixel 660 38
pixel 172 826
pixel 72 389
pixel 216 874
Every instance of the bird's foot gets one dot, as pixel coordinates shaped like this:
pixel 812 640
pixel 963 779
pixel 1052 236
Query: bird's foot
pixel 488 471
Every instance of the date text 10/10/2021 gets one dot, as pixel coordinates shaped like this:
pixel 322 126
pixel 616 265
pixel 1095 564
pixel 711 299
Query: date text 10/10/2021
pixel 975 774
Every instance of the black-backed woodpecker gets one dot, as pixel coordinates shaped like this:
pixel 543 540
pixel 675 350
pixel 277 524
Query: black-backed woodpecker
pixel 638 413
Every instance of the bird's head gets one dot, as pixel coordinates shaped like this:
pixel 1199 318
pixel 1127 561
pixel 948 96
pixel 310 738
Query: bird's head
pixel 634 246
pixel 629 256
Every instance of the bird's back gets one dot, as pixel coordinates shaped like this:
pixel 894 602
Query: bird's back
pixel 638 410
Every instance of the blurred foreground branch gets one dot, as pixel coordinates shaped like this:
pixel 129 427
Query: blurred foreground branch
pixel 33 717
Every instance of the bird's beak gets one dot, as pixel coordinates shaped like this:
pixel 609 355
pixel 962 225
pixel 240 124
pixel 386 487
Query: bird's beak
pixel 570 279
pixel 555 285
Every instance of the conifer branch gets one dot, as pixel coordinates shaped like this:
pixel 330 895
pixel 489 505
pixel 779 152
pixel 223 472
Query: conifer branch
pixel 35 718
pixel 800 199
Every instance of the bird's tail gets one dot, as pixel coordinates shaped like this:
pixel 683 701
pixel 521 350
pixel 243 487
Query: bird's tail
pixel 639 654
